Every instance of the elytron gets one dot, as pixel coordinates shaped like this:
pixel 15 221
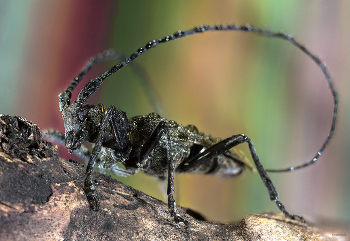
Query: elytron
pixel 155 145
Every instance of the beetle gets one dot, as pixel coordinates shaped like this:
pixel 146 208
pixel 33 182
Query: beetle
pixel 155 145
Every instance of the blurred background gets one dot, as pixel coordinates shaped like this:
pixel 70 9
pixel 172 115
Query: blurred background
pixel 223 82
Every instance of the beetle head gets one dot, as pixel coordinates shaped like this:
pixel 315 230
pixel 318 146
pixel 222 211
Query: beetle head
pixel 81 123
pixel 75 118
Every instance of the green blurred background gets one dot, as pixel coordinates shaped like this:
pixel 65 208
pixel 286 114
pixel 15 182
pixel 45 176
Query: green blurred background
pixel 223 82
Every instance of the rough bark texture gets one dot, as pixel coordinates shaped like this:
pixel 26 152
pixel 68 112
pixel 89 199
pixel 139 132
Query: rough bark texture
pixel 41 198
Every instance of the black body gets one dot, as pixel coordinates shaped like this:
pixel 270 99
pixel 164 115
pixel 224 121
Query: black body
pixel 154 145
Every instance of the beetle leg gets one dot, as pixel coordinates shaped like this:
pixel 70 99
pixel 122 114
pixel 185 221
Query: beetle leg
pixel 163 129
pixel 117 119
pixel 223 146
pixel 82 152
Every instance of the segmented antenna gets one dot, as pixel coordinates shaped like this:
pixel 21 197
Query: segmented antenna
pixel 151 92
pixel 66 95
pixel 94 84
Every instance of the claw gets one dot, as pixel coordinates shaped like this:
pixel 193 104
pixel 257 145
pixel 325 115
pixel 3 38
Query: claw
pixel 178 218
pixel 92 198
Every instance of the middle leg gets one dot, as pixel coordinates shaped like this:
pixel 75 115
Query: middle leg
pixel 160 130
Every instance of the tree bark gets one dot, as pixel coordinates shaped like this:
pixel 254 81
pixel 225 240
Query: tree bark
pixel 41 198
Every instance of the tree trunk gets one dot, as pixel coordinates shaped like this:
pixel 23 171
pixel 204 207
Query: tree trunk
pixel 41 198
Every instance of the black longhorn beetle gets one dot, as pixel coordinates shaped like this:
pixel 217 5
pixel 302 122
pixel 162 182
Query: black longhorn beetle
pixel 155 145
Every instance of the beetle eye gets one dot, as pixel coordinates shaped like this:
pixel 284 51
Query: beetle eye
pixel 82 114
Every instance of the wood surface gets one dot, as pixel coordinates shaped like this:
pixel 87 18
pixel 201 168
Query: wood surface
pixel 41 198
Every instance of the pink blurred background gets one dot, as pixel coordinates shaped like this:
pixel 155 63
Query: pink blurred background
pixel 223 82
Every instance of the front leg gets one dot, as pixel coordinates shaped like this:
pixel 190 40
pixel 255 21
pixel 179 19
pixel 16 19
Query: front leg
pixel 118 121
pixel 82 152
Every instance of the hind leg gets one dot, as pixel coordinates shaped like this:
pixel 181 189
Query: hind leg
pixel 223 146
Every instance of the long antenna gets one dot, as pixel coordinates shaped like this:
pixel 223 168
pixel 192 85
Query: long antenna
pixel 94 84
